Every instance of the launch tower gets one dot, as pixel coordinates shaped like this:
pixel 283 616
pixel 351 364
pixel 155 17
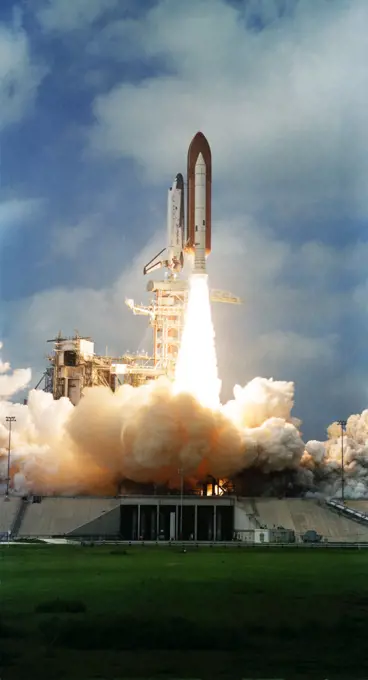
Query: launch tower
pixel 74 364
pixel 167 308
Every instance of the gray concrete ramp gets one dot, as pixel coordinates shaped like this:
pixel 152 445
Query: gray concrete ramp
pixel 8 512
pixel 245 515
pixel 302 515
pixel 310 514
pixel 361 506
pixel 274 513
pixel 61 516
pixel 106 524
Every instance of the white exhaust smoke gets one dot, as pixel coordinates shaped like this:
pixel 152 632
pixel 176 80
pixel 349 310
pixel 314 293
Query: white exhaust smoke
pixel 11 383
pixel 147 434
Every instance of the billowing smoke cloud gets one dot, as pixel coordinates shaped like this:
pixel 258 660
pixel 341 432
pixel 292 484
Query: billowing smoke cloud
pixel 148 434
pixel 325 459
pixel 16 381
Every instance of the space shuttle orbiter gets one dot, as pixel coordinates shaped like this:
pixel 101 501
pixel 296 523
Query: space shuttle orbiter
pixel 174 260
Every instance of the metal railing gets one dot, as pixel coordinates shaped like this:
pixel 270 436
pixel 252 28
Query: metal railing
pixel 324 543
pixel 351 513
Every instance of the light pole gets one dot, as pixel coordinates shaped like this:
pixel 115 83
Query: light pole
pixel 10 420
pixel 181 501
pixel 342 424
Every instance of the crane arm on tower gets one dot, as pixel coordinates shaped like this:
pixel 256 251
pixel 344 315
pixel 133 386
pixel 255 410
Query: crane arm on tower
pixel 225 296
pixel 140 309
pixel 155 263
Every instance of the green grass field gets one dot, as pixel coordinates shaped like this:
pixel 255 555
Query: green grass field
pixel 102 612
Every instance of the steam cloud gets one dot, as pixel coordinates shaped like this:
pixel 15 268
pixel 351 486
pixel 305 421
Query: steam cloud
pixel 16 381
pixel 147 434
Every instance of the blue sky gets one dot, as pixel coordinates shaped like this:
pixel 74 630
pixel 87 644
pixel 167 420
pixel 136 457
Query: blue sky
pixel 98 103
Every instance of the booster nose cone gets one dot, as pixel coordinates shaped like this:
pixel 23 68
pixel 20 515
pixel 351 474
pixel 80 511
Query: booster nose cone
pixel 200 162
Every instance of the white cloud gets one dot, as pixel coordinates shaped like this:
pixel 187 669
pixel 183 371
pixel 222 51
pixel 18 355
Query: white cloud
pixel 101 314
pixel 295 348
pixel 360 297
pixel 283 108
pixel 272 331
pixel 290 319
pixel 15 211
pixel 11 383
pixel 20 75
pixel 72 15
pixel 67 240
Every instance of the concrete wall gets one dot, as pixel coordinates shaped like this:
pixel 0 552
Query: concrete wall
pixel 361 506
pixel 107 524
pixel 8 511
pixel 243 516
pixel 302 515
pixel 59 516
pixel 101 516
pixel 273 513
pixel 326 521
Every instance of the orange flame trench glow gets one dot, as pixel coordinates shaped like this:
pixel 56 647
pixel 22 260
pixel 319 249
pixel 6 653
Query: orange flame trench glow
pixel 196 368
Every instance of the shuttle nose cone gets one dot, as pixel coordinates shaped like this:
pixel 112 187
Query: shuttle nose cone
pixel 179 181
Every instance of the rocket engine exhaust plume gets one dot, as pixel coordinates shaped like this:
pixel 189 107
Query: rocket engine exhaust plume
pixel 196 369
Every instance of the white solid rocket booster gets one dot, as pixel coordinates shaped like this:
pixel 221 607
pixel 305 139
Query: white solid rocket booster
pixel 200 216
